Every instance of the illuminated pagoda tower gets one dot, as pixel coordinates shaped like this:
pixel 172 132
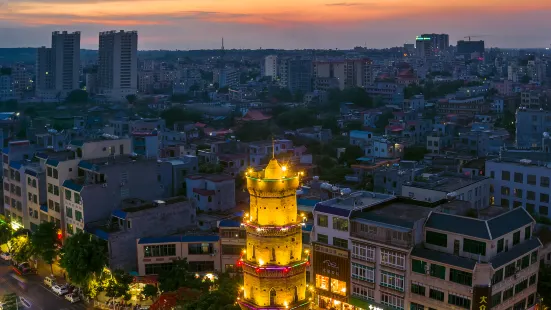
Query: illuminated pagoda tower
pixel 274 265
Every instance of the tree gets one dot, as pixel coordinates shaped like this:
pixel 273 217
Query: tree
pixel 382 121
pixel 6 234
pixel 21 249
pixel 77 96
pixel 525 79
pixel 150 291
pixel 222 298
pixel 179 276
pixel 174 115
pixel 83 256
pixel 253 131
pixel 45 243
pixel 297 118
pixel 544 284
pixel 351 153
pixel 118 285
pixel 210 168
pixel 132 98
pixel 415 153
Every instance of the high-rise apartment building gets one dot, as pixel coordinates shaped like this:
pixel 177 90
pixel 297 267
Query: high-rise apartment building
pixel 270 66
pixel 466 48
pixel 296 74
pixel 118 64
pixel 342 73
pixel 440 42
pixel 423 47
pixel 58 67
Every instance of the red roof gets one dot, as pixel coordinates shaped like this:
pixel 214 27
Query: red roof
pixel 169 300
pixel 255 115
pixel 395 128
pixel 201 125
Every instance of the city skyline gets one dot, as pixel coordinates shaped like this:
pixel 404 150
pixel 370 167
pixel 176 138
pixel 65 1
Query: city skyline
pixel 288 25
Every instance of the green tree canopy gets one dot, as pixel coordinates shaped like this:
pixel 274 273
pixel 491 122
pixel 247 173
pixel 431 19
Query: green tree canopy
pixel 132 98
pixel 150 291
pixel 382 121
pixel 544 284
pixel 221 298
pixel 21 248
pixel 118 285
pixel 254 131
pixel 297 118
pixel 83 256
pixel 77 96
pixel 179 276
pixel 415 153
pixel 351 153
pixel 6 233
pixel 174 115
pixel 45 243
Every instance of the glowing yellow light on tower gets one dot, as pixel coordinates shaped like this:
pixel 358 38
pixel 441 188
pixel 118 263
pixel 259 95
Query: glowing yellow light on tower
pixel 260 262
pixel 250 170
pixel 284 168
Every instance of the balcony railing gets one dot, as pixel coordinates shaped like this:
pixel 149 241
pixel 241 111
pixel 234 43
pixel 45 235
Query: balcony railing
pixel 384 238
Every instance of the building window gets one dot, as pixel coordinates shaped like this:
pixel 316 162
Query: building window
pixel 500 245
pixel 49 171
pixel 78 216
pixel 322 282
pixel 323 221
pixel 508 293
pixel 459 301
pixel 461 277
pixel 57 208
pixel 496 299
pixel 438 271
pixel 393 259
pixel 338 287
pixel 342 243
pixel 415 306
pixel 392 281
pixel 55 174
pixel 363 292
pixel 393 301
pixel 200 248
pixel 436 294
pixel 56 190
pixel 519 177
pixel 70 229
pixel 521 287
pixel 159 250
pixel 363 252
pixel 323 239
pixel 68 194
pixel 505 190
pixel 544 181
pixel 531 179
pixel 543 210
pixel 418 266
pixel 157 268
pixel 438 239
pixel 363 273
pixel 510 270
pixel 544 198
pixel 50 188
pixel 518 192
pixel 516 238
pixel 418 289
pixel 77 198
pixel 530 195
pixel 474 247
pixel 340 224
pixel 497 277
pixel 534 257
pixel 505 176
pixel 532 279
pixel 69 212
pixel 527 232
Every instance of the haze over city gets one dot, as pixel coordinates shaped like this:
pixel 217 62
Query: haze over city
pixel 171 24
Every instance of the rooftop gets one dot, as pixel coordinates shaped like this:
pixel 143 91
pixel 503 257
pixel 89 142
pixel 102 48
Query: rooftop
pixel 98 163
pixel 400 211
pixel 445 182
pixel 343 206
pixel 478 228
pixel 136 205
pixel 211 177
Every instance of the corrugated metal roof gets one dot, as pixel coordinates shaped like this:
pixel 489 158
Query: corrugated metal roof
pixel 444 258
pixel 172 239
pixel 15 164
pixel 515 252
pixel 507 222
pixel 41 155
pixel 458 224
pixel 31 172
pixel 87 165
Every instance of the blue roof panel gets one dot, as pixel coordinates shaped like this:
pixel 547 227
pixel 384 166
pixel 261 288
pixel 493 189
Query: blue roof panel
pixel 72 185
pixel 229 223
pixel 15 165
pixel 87 165
pixel 44 208
pixel 120 214
pixel 31 172
pixel 307 202
pixel 52 162
pixel 332 210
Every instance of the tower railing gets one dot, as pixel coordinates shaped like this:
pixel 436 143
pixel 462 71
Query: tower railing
pixel 273 231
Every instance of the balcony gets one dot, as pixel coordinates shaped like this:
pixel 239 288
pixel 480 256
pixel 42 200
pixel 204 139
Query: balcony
pixel 273 231
pixel 384 238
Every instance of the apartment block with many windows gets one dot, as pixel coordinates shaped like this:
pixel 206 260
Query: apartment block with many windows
pixel 466 263
pixel 232 244
pixel 520 183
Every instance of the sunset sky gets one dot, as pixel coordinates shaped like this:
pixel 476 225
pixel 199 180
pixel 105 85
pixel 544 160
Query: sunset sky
pixel 186 24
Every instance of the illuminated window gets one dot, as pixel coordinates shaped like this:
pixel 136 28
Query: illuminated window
pixel 363 252
pixel 392 280
pixel 322 282
pixel 338 287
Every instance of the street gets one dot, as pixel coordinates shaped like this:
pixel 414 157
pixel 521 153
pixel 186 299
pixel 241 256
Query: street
pixel 39 296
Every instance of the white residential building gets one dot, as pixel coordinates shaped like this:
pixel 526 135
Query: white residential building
pixel 270 66
pixel 118 64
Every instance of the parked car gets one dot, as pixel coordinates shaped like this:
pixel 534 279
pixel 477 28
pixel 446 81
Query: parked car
pixel 5 256
pixel 60 289
pixel 49 282
pixel 72 298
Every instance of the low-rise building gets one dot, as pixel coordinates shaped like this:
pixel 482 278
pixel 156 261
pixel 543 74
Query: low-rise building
pixel 209 192
pixel 156 254
pixel 433 187
pixel 172 173
pixel 232 244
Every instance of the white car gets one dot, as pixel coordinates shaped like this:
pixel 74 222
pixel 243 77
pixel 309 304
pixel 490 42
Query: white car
pixel 60 289
pixel 5 256
pixel 72 298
